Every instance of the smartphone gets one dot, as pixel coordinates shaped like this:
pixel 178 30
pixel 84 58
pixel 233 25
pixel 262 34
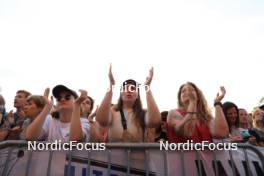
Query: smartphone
pixel 244 134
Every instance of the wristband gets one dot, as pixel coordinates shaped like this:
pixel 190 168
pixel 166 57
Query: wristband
pixel 191 113
pixel 217 103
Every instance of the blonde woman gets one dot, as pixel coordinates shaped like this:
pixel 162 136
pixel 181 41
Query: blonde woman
pixel 192 119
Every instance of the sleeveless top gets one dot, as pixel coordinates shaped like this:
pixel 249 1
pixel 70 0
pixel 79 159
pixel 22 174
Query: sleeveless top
pixel 201 132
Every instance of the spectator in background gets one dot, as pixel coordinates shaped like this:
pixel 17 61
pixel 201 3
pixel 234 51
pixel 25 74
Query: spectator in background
pixel 128 121
pixel 243 119
pixel 250 121
pixel 19 103
pixel 193 120
pixel 97 132
pixel 2 110
pixel 32 109
pixel 14 121
pixel 87 107
pixel 161 131
pixel 232 117
pixel 258 127
pixel 244 126
pixel 258 120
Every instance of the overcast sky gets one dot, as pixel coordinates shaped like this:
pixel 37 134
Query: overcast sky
pixel 211 43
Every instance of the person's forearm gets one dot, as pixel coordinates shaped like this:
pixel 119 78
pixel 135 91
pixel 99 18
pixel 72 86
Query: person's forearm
pixel 104 111
pixel 186 126
pixel 220 125
pixel 93 132
pixel 34 129
pixel 192 108
pixel 3 134
pixel 76 133
pixel 154 117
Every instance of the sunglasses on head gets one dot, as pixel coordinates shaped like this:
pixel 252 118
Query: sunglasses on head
pixel 66 97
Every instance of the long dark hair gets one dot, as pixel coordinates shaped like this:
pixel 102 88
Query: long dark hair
pixel 92 105
pixel 139 112
pixel 227 105
pixel 164 115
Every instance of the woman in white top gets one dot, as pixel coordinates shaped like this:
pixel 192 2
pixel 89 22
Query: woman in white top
pixel 131 126
pixel 68 126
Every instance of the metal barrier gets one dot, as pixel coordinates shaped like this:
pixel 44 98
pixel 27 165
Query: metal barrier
pixel 129 159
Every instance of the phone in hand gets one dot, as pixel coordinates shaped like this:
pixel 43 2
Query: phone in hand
pixel 244 134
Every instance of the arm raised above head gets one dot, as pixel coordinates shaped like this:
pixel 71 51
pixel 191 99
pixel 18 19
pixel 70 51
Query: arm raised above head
pixel 103 114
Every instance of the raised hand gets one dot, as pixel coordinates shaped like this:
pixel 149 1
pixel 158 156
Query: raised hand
pixel 192 97
pixel 221 95
pixel 10 117
pixel 111 77
pixel 46 92
pixel 46 98
pixel 149 77
pixel 82 96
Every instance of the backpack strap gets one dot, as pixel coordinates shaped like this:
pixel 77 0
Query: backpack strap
pixel 123 119
pixel 124 123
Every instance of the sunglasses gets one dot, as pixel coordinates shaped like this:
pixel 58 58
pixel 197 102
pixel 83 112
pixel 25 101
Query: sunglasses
pixel 66 97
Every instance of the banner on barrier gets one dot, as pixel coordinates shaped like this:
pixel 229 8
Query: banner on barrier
pixel 178 162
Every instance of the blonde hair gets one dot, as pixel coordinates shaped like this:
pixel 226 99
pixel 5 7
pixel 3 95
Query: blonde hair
pixel 254 113
pixel 37 99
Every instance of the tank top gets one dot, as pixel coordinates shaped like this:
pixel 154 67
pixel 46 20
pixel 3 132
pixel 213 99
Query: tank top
pixel 201 132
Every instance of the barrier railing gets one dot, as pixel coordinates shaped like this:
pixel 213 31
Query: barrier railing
pixel 129 159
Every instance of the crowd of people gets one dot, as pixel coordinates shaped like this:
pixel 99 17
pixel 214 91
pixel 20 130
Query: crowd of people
pixel 67 116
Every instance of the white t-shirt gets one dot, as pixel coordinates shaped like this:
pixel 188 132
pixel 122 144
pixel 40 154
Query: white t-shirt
pixel 53 129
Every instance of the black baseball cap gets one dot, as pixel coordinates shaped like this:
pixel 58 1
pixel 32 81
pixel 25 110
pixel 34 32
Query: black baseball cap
pixel 61 88
pixel 130 81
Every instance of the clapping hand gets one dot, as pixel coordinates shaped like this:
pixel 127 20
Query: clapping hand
pixel 149 77
pixel 82 96
pixel 221 95
pixel 111 77
pixel 48 102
